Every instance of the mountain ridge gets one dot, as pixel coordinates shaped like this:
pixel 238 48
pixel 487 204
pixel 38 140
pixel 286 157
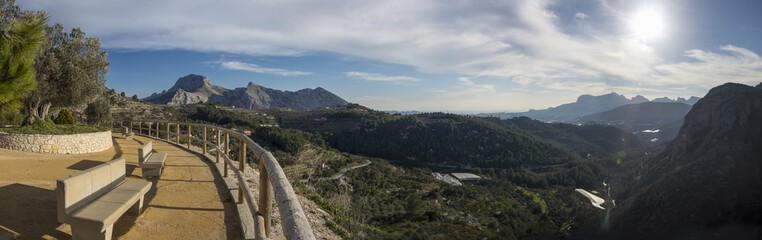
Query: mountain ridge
pixel 193 88
pixel 585 105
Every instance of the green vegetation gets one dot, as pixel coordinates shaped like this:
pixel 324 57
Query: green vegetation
pixel 20 36
pixel 530 170
pixel 99 112
pixel 449 138
pixel 47 127
pixel 11 118
pixel 44 66
pixel 64 117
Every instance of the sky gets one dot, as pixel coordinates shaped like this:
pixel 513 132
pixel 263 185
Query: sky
pixel 427 55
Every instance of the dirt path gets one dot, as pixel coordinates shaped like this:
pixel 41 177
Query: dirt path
pixel 187 202
pixel 343 172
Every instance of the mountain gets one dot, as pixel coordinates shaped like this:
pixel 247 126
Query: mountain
pixel 198 89
pixel 254 96
pixel 706 183
pixel 689 101
pixel 187 90
pixel 654 122
pixel 585 105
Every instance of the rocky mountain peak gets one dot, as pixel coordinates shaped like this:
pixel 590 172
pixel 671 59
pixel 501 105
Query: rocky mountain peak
pixel 191 82
pixel 639 99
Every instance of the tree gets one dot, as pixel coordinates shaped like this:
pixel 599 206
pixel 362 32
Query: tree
pixel 20 36
pixel 99 112
pixel 70 71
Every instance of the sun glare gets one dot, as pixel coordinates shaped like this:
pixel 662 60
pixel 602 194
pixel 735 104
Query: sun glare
pixel 647 25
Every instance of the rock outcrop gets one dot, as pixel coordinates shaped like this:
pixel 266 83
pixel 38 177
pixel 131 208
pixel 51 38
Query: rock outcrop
pixel 198 89
pixel 709 178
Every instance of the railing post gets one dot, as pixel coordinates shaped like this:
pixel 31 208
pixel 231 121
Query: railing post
pixel 204 151
pixel 131 127
pixel 227 150
pixel 189 136
pixel 140 127
pixel 241 167
pixel 217 141
pixel 264 195
pixel 149 129
pixel 168 131
pixel 177 129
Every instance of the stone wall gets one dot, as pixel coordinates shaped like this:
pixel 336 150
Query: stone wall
pixel 59 144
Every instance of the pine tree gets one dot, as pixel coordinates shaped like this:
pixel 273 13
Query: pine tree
pixel 19 40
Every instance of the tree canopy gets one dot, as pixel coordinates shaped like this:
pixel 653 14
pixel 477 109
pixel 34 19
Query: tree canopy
pixel 70 71
pixel 20 37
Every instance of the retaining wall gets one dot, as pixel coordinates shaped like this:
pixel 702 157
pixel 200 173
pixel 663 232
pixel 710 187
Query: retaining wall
pixel 58 144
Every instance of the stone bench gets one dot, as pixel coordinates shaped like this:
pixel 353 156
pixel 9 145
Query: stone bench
pixel 150 162
pixel 126 134
pixel 92 200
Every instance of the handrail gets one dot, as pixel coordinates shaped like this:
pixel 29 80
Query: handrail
pixel 294 221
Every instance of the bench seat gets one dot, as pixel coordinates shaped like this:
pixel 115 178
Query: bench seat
pixel 155 161
pixel 109 207
pixel 91 201
pixel 149 161
pixel 126 134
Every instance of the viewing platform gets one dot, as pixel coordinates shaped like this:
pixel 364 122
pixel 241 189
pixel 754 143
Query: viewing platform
pixel 188 201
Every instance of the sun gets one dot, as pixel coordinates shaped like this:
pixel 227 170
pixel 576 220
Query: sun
pixel 647 25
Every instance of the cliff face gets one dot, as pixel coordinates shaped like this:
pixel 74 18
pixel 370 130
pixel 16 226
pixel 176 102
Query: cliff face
pixel 710 176
pixel 198 89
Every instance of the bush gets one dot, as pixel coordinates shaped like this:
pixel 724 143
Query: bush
pixel 64 117
pixel 99 112
pixel 11 118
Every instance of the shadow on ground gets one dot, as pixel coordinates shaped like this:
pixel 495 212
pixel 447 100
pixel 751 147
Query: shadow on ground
pixel 29 211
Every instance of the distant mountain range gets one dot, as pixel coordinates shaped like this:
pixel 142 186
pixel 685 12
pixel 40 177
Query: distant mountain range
pixel 198 89
pixel 653 122
pixel 706 183
pixel 585 105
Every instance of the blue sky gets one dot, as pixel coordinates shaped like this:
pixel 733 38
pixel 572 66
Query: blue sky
pixel 460 56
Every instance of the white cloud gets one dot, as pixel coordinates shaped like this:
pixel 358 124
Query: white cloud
pixel 522 41
pixel 381 77
pixel 710 69
pixel 233 65
pixel 469 87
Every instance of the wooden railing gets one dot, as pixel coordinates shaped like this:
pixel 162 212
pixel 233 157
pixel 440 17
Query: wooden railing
pixel 271 176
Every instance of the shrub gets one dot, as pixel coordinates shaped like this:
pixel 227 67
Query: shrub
pixel 99 112
pixel 11 118
pixel 64 117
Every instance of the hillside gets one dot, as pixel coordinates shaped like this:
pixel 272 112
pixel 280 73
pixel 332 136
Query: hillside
pixel 589 141
pixel 653 122
pixel 706 182
pixel 199 89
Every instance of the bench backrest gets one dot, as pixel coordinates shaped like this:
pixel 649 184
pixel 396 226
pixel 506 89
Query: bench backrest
pixel 144 152
pixel 78 189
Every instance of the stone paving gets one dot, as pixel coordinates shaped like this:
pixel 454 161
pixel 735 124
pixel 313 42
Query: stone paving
pixel 188 201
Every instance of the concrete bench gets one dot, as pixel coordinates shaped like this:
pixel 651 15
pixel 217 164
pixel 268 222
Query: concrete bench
pixel 92 200
pixel 150 162
pixel 126 134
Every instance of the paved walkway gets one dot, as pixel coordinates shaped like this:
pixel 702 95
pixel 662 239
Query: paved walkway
pixel 187 202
